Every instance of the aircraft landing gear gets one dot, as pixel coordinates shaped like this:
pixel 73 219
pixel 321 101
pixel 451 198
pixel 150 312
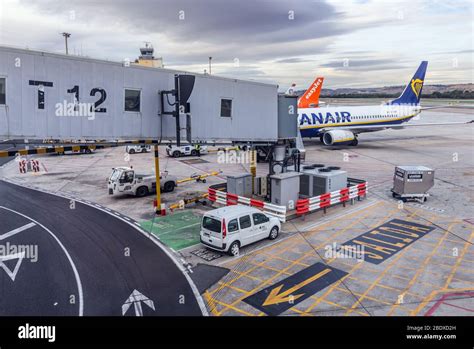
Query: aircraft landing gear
pixel 355 142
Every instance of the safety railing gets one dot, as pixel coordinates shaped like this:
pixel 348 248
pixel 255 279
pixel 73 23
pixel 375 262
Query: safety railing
pixel 221 197
pixel 358 189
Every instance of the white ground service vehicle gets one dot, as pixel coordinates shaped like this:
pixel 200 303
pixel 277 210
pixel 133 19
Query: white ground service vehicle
pixel 184 150
pixel 229 228
pixel 124 180
pixel 140 148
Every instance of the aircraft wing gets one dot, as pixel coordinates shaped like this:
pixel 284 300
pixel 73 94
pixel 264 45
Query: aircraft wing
pixel 449 105
pixel 369 128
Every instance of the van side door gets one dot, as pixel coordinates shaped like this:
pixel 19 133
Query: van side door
pixel 246 230
pixel 261 223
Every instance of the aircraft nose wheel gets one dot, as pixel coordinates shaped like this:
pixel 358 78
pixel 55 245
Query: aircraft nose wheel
pixel 355 142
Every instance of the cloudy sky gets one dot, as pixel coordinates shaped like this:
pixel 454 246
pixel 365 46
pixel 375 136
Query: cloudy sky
pixel 354 43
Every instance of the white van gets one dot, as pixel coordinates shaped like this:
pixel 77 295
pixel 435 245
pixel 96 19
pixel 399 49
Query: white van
pixel 229 228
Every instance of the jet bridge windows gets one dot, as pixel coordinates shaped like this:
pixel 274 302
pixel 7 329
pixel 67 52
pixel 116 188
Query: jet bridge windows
pixel 226 107
pixel 132 100
pixel 3 99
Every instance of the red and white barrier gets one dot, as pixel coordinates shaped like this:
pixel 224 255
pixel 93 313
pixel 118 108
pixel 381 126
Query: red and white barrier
pixel 304 206
pixel 32 164
pixel 162 210
pixel 35 165
pixel 228 199
pixel 22 166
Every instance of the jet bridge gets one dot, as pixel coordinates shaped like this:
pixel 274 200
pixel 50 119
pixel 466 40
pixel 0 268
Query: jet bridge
pixel 49 96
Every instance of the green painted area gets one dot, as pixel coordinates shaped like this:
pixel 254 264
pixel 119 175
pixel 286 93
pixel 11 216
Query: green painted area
pixel 178 231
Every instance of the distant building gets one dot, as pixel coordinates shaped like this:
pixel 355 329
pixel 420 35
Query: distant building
pixel 147 59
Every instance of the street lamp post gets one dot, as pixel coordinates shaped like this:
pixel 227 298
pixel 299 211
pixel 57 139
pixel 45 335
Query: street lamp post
pixel 66 36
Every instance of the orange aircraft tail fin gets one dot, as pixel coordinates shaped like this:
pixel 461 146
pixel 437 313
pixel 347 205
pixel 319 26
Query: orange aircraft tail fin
pixel 310 98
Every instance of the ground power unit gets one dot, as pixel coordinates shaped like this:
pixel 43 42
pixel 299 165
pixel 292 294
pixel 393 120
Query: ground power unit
pixel 317 179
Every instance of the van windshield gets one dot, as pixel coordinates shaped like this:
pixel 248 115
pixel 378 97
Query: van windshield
pixel 211 224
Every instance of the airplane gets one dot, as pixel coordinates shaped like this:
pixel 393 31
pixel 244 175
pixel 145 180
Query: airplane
pixel 341 125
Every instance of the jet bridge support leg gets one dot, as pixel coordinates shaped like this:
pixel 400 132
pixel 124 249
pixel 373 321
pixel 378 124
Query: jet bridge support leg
pixel 158 209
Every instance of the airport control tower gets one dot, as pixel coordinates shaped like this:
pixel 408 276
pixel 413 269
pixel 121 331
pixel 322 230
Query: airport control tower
pixel 147 59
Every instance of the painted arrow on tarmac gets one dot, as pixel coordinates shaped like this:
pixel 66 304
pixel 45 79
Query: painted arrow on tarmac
pixel 136 298
pixel 275 297
pixel 287 293
pixel 12 273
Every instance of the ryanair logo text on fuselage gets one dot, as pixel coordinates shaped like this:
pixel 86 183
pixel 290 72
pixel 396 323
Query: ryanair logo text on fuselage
pixel 325 118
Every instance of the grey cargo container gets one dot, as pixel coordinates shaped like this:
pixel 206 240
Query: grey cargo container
pixel 412 180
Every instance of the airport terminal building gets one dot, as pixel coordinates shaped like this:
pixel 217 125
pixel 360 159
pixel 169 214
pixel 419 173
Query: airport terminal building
pixel 48 95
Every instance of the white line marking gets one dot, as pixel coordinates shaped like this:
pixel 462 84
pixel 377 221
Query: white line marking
pixel 76 273
pixel 154 239
pixel 17 230
pixel 12 273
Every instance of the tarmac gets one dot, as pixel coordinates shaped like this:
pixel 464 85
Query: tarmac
pixel 294 275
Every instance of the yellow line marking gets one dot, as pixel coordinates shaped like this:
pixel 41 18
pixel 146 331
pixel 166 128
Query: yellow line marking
pixel 290 244
pixel 424 264
pixel 355 267
pixel 448 281
pixel 358 265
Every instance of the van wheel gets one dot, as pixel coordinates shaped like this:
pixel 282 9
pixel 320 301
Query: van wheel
pixel 273 233
pixel 176 154
pixel 194 152
pixel 142 191
pixel 131 151
pixel 168 187
pixel 234 249
pixel 143 150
